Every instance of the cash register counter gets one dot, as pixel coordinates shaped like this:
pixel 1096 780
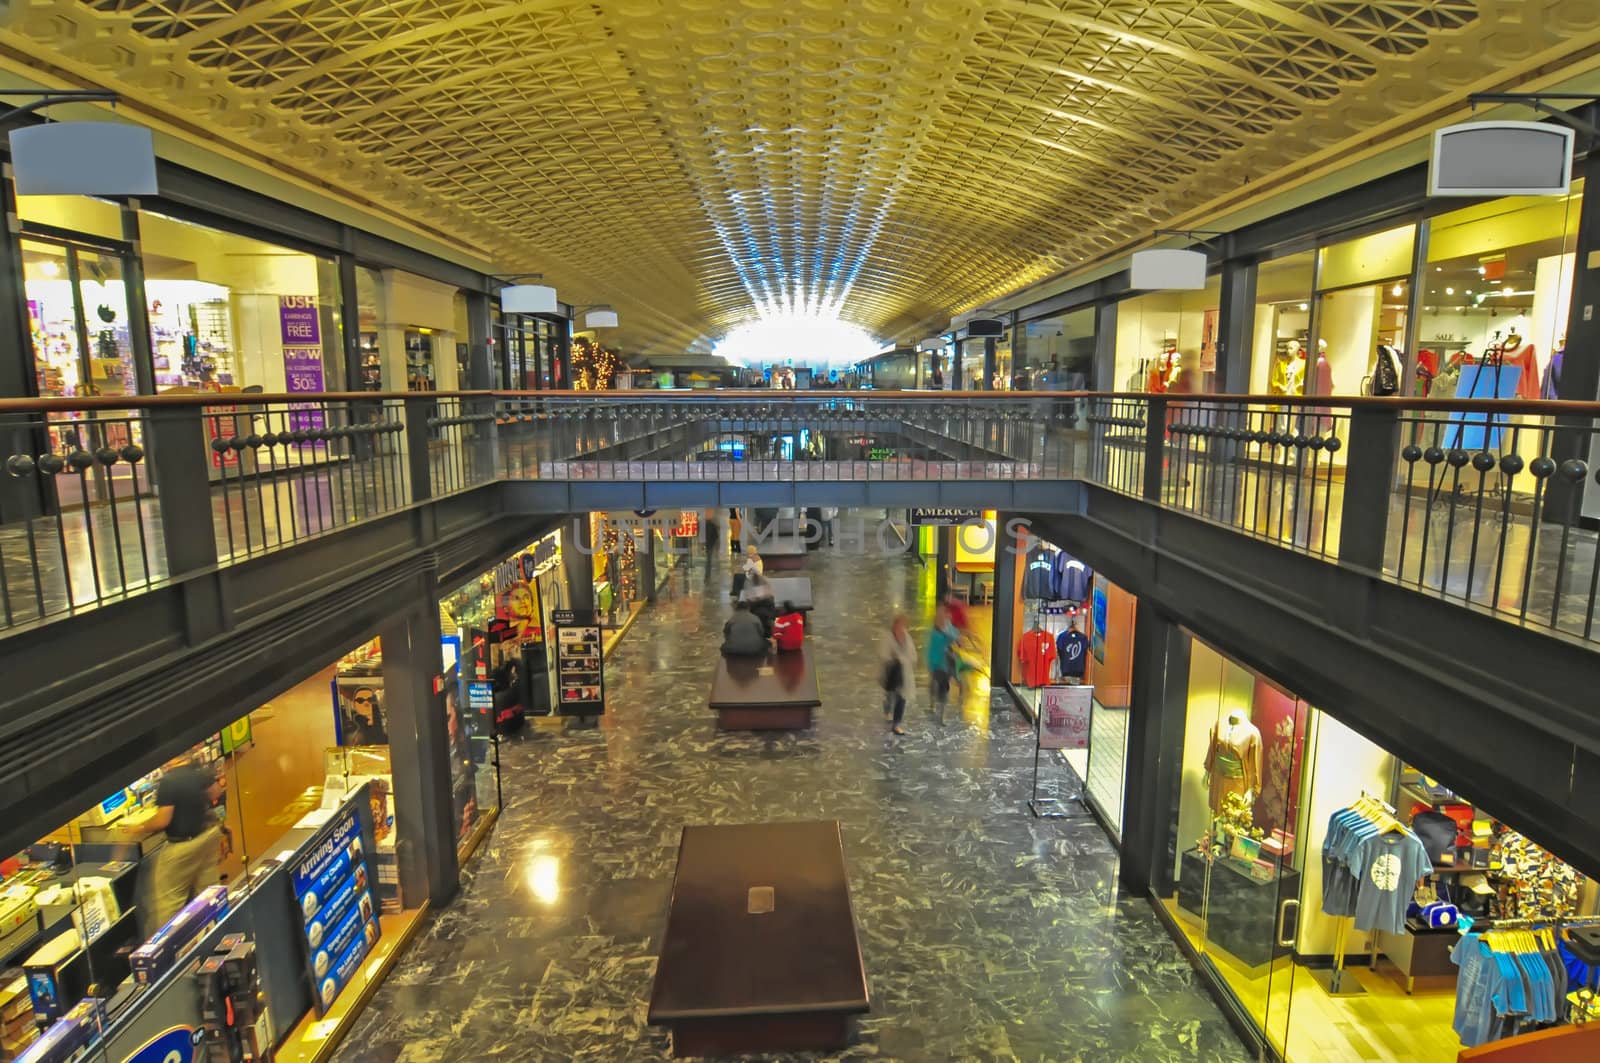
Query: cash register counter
pixel 267 913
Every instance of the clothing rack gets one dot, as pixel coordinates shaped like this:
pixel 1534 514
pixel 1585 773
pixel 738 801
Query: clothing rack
pixel 1550 921
pixel 1334 980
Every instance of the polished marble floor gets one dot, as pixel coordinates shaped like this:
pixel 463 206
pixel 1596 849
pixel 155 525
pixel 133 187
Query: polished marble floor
pixel 987 934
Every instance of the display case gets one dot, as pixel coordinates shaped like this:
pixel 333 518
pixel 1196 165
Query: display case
pixel 1240 905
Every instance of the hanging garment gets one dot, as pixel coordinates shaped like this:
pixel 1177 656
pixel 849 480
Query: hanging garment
pixel 1038 576
pixel 1233 760
pixel 1072 653
pixel 1552 376
pixel 1524 359
pixel 1072 578
pixel 1037 652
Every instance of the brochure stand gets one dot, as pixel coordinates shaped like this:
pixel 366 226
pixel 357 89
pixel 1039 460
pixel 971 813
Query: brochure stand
pixel 1060 721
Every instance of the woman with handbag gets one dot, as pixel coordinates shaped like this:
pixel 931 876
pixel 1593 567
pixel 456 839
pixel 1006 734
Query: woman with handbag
pixel 899 661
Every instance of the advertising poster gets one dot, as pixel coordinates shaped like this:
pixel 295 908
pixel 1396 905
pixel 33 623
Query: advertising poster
pixel 1064 717
pixel 300 329
pixel 338 916
pixel 580 664
pixel 1098 609
pixel 359 715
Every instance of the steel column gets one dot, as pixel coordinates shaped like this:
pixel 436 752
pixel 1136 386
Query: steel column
pixel 1156 718
pixel 1235 328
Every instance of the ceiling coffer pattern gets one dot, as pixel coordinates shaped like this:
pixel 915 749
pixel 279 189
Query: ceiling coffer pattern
pixel 688 160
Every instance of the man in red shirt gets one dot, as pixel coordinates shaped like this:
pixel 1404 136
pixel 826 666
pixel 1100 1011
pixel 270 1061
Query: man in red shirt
pixel 789 629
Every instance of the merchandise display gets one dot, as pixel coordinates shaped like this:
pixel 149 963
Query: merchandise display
pixel 1233 761
pixel 1037 652
pixel 1072 652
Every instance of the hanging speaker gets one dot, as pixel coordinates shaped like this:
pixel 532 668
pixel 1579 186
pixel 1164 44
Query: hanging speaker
pixel 1501 159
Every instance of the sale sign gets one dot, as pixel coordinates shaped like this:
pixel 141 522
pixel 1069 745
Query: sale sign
pixel 1064 717
pixel 300 326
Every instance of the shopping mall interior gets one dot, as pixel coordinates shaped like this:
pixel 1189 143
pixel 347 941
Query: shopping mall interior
pixel 890 530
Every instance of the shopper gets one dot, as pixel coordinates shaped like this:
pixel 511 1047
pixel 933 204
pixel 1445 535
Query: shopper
pixel 789 629
pixel 735 532
pixel 190 859
pixel 942 659
pixel 899 660
pixel 744 635
pixel 751 565
pixel 759 595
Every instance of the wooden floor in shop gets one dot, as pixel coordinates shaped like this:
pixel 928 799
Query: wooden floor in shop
pixel 1384 1024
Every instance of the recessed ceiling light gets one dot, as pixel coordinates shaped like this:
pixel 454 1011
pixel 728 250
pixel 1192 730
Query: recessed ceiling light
pixel 1449 291
pixel 1438 269
pixel 1397 289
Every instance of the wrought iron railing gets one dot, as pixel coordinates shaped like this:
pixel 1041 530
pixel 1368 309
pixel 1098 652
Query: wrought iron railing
pixel 1474 502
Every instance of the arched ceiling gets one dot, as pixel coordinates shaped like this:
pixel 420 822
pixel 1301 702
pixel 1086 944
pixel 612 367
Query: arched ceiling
pixel 689 160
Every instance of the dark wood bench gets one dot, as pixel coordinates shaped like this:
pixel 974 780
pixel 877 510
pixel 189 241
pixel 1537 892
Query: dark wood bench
pixel 775 692
pixel 796 590
pixel 782 553
pixel 760 952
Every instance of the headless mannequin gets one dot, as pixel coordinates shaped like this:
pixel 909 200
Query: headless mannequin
pixel 1233 760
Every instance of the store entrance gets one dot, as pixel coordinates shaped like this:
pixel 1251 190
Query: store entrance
pixel 83 347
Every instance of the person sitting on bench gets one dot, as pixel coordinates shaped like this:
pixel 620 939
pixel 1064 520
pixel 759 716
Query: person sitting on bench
pixel 758 596
pixel 789 629
pixel 744 635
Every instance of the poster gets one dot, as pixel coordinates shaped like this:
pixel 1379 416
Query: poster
pixel 333 894
pixel 1064 717
pixel 580 664
pixel 358 717
pixel 1098 608
pixel 300 329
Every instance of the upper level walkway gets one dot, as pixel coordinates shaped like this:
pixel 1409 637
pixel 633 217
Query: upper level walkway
pixel 1475 503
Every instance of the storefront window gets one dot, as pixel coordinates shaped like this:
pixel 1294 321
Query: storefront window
pixel 1499 286
pixel 228 312
pixel 274 839
pixel 376 374
pixel 1282 325
pixel 1305 850
pixel 1056 353
pixel 1108 621
pixel 1167 341
pixel 78 319
pixel 1363 296
pixel 77 214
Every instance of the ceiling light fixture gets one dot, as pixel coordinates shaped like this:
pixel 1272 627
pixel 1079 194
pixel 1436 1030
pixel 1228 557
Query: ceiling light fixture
pixel 797 337
pixel 529 298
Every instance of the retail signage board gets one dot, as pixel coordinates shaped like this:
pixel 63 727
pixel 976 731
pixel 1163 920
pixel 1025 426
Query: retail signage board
pixel 1099 609
pixel 338 915
pixel 1168 269
pixel 1481 431
pixel 580 663
pixel 1064 716
pixel 943 517
pixel 1501 159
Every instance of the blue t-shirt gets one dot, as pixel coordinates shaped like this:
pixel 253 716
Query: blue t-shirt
pixel 1388 866
pixel 942 649
pixel 1072 653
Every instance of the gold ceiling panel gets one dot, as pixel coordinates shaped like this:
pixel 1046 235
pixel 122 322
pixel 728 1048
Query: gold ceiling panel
pixel 692 160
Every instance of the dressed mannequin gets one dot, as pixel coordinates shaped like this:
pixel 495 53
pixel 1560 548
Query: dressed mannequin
pixel 1233 760
pixel 1520 353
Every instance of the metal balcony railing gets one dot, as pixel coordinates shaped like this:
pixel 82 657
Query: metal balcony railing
pixel 1474 502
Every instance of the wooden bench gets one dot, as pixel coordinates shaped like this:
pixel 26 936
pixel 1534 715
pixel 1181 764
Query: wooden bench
pixel 775 692
pixel 760 952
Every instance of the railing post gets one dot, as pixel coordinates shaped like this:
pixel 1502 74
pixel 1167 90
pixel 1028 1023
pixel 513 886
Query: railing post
pixel 486 438
pixel 1368 486
pixel 1155 446
pixel 418 409
pixel 180 467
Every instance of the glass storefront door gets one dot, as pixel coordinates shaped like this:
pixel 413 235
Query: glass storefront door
pixel 1236 894
pixel 77 305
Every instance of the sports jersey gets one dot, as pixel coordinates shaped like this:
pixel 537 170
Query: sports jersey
pixel 1072 578
pixel 1038 577
pixel 1072 653
pixel 1037 652
pixel 790 630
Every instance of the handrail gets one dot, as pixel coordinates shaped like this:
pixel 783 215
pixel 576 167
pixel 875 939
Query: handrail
pixel 1534 407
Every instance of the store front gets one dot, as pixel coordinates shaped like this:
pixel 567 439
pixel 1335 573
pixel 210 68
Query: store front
pixel 1055 353
pixel 1167 341
pixel 284 853
pixel 1324 884
pixel 1072 626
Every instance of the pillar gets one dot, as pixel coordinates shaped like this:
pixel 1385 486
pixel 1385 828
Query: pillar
pixel 1580 366
pixel 577 562
pixel 987 380
pixel 644 552
pixel 1004 614
pixel 944 557
pixel 955 367
pixel 20 496
pixel 419 755
pixel 1157 714
pixel 1105 349
pixel 1236 328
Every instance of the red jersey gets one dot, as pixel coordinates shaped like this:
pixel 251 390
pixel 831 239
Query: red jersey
pixel 790 630
pixel 1037 652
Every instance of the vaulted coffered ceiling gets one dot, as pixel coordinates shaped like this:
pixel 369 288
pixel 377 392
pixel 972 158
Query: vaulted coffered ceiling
pixel 692 160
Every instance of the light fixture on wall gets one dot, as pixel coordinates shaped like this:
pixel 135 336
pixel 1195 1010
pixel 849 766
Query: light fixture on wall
pixel 529 298
pixel 78 158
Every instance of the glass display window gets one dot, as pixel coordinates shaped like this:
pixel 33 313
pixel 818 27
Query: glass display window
pixel 230 312
pixel 1282 325
pixel 1167 341
pixel 1326 882
pixel 77 305
pixel 1056 353
pixel 1499 287
pixel 376 372
pixel 1360 312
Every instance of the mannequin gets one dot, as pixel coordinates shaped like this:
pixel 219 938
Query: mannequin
pixel 1233 759
pixel 1384 376
pixel 1295 383
pixel 1324 383
pixel 1516 351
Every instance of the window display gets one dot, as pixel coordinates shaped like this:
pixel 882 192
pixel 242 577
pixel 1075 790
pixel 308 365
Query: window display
pixel 229 312
pixel 1282 325
pixel 1363 297
pixel 1167 341
pixel 1334 870
pixel 1056 353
